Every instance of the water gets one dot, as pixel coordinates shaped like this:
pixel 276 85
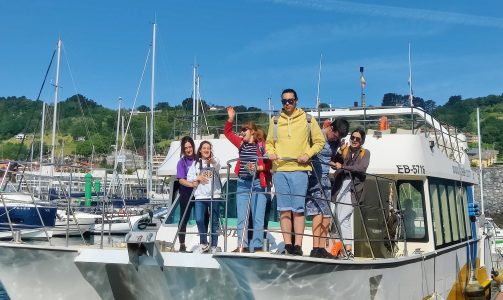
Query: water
pixel 3 293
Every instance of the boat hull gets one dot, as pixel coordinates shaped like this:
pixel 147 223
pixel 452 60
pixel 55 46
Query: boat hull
pixel 414 277
pixel 183 276
pixel 32 272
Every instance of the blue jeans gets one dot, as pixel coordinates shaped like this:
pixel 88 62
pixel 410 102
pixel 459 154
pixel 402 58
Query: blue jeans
pixel 291 188
pixel 258 203
pixel 201 206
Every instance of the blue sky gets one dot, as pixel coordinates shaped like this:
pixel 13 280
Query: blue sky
pixel 248 50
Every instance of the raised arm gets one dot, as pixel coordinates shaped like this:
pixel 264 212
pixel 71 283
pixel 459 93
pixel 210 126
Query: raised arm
pixel 229 134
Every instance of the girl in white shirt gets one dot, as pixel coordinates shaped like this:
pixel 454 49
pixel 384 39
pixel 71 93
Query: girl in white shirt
pixel 203 174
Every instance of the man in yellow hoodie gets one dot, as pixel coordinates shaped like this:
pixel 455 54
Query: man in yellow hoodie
pixel 290 149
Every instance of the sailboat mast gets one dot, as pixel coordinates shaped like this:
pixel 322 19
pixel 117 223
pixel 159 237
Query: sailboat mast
pixel 480 165
pixel 318 88
pixel 411 96
pixel 151 139
pixel 56 94
pixel 198 104
pixel 194 101
pixel 42 127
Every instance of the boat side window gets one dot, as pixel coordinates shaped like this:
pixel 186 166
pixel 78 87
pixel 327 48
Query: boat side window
pixel 436 215
pixel 464 200
pixel 450 211
pixel 444 207
pixel 410 194
pixel 460 212
pixel 453 213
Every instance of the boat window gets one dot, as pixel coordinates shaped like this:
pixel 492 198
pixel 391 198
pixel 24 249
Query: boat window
pixel 436 215
pixel 412 206
pixel 453 212
pixel 460 213
pixel 444 207
pixel 464 199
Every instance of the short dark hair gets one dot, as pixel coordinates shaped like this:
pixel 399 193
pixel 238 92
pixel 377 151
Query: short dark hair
pixel 289 91
pixel 341 126
pixel 361 132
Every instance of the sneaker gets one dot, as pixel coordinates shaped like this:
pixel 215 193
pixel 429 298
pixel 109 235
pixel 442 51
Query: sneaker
pixel 323 253
pixel 350 255
pixel 203 248
pixel 245 250
pixel 297 250
pixel 215 249
pixel 288 249
pixel 314 252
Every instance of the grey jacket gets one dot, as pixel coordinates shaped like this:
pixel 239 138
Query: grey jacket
pixel 354 166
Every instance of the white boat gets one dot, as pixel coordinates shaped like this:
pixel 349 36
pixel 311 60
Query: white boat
pixel 496 233
pixel 428 165
pixel 124 223
pixel 78 223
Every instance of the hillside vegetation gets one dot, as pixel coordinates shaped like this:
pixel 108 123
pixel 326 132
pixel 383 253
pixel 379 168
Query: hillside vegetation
pixel 84 124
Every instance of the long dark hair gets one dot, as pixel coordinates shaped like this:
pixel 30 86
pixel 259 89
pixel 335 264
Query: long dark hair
pixel 184 141
pixel 199 155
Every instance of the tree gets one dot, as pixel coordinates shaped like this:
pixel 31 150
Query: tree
pixel 143 108
pixel 162 106
pixel 429 106
pixel 324 105
pixel 392 99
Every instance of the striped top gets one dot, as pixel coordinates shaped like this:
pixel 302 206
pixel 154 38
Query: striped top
pixel 248 157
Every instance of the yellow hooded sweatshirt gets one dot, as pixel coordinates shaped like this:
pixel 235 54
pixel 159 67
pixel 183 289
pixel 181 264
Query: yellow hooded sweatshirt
pixel 293 141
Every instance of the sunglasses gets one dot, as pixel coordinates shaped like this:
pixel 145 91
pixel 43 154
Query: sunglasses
pixel 356 138
pixel 288 101
pixel 244 129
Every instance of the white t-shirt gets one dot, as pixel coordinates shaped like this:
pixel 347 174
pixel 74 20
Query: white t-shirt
pixel 203 190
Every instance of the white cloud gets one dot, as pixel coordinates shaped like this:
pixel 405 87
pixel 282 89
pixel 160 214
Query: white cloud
pixel 397 12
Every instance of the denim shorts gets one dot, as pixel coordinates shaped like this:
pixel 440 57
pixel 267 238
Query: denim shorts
pixel 318 196
pixel 290 188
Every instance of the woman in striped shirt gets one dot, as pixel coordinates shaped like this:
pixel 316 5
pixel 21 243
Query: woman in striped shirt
pixel 253 173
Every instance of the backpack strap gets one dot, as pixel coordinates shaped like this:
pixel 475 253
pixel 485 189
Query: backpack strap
pixel 309 118
pixel 346 151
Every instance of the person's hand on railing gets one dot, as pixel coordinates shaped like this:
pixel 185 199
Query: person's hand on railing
pixel 304 158
pixel 272 157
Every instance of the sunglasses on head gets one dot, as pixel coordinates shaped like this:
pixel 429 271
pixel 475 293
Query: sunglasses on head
pixel 356 138
pixel 288 101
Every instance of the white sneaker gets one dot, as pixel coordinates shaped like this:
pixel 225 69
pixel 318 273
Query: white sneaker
pixel 215 250
pixel 202 248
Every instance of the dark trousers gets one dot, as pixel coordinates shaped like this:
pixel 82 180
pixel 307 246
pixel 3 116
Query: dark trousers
pixel 186 204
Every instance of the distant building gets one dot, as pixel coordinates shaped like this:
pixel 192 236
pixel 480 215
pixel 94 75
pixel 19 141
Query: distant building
pixel 472 138
pixel 216 108
pixel 489 157
pixel 81 139
pixel 131 160
pixel 20 136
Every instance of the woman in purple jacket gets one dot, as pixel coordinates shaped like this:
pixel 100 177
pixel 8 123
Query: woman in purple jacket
pixel 187 158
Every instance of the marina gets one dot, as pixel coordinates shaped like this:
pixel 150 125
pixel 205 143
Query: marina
pixel 251 150
pixel 443 257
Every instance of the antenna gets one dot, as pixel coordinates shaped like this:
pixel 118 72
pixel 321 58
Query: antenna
pixel 411 96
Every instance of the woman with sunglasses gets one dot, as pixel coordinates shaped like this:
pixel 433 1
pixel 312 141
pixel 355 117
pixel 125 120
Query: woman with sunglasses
pixel 351 163
pixel 253 174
